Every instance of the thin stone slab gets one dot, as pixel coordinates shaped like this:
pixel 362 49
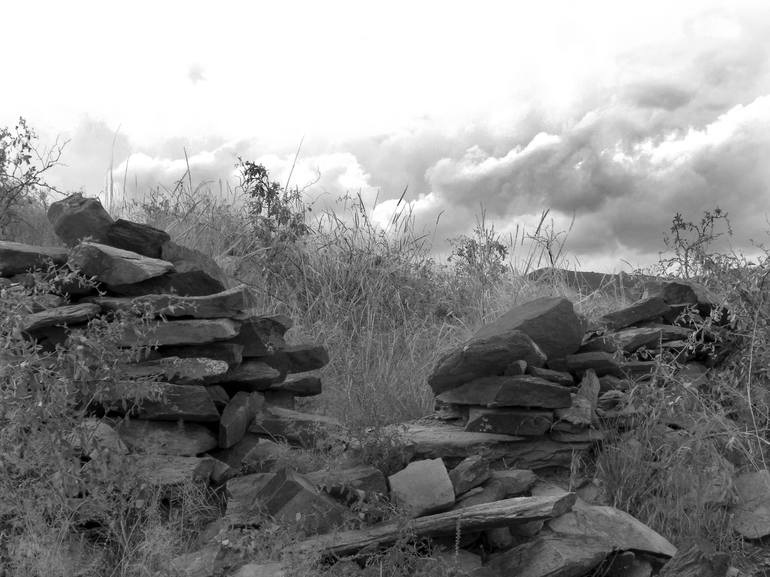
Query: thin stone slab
pixel 509 421
pixel 601 363
pixel 136 237
pixel 161 401
pixel 340 481
pixel 163 438
pixel 114 266
pixel 562 378
pixel 237 416
pixel 16 258
pixel 230 353
pixel 192 331
pixel 66 315
pixel 262 335
pixel 519 391
pixel 551 556
pixel 422 488
pixel 224 304
pixel 77 217
pixel 483 357
pixel 190 283
pixel 549 321
pixel 643 310
pixel 250 375
pixel 190 371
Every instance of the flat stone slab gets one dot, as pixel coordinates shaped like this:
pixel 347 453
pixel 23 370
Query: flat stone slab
pixel 114 266
pixel 562 378
pixel 602 363
pixel 422 488
pixel 189 371
pixel 298 358
pixel 189 283
pixel 339 481
pixel 483 357
pixel 17 258
pixel 224 304
pixel 162 401
pixel 193 331
pixel 262 335
pixel 751 513
pixel 230 353
pixel 519 391
pixel 509 421
pixel 251 375
pixel 136 237
pixel 549 321
pixel 163 438
pixel 64 315
pixel 441 439
pixel 551 556
pixel 643 310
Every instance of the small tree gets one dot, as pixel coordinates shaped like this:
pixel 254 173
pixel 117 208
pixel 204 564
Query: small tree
pixel 691 242
pixel 481 256
pixel 22 166
pixel 276 213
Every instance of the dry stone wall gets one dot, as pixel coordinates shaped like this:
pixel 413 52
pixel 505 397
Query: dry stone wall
pixel 518 400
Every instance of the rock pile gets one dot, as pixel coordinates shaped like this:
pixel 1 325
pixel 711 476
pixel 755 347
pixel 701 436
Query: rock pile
pixel 523 395
pixel 223 378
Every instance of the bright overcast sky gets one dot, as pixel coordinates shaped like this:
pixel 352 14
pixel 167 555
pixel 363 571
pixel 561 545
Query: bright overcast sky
pixel 619 113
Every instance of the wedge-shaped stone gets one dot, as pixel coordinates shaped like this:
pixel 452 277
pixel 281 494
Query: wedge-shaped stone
pixel 469 473
pixel 509 421
pixel 751 512
pixel 237 416
pixel 161 401
pixel 250 375
pixel 295 427
pixel 243 503
pixel 114 266
pixel 67 315
pixel 262 335
pixel 515 481
pixel 191 283
pixel 549 321
pixel 187 259
pixel 192 371
pixel 424 487
pixel 519 391
pixel 293 500
pixel 219 396
pixel 218 351
pixel 551 556
pixel 617 528
pixel 162 438
pixel 224 304
pixel 643 310
pixel 299 386
pixel 298 358
pixel 77 217
pixel 136 237
pixel 601 363
pixel 676 292
pixel 16 258
pixel 483 357
pixel 193 331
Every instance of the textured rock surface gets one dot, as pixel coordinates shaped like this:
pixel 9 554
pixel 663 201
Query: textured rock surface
pixel 76 217
pixel 518 391
pixel 483 357
pixel 115 266
pixel 16 257
pixel 549 321
pixel 423 487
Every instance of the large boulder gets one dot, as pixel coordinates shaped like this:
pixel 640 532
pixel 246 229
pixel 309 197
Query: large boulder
pixel 484 356
pixel 76 217
pixel 549 321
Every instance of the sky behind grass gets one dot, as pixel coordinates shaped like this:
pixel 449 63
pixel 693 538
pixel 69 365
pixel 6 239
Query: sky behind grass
pixel 617 113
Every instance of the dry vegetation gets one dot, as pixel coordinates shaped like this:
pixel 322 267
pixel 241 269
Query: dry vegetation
pixel 385 309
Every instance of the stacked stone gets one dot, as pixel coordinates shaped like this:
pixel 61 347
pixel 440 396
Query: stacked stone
pixel 532 386
pixel 227 377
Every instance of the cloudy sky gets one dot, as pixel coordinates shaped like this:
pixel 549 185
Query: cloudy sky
pixel 617 113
